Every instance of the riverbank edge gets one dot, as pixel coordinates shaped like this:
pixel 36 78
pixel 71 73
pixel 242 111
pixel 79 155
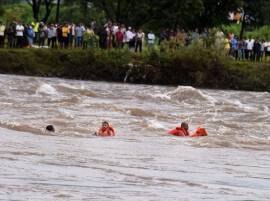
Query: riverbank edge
pixel 201 69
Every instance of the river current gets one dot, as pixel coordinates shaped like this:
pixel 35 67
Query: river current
pixel 142 162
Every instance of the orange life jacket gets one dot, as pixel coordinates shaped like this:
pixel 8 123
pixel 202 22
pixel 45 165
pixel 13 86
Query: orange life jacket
pixel 106 132
pixel 178 131
pixel 200 132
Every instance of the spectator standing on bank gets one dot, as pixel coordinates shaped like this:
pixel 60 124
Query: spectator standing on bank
pixel 19 35
pixel 71 34
pixel 139 40
pixel 2 34
pixel 94 39
pixel 257 50
pixel 42 35
pixel 65 31
pixel 119 39
pixel 59 36
pixel 262 55
pixel 227 46
pixel 195 35
pixel 79 32
pixel 30 34
pixel 267 50
pixel 241 49
pixel 163 36
pixel 87 38
pixel 129 38
pixel 250 45
pixel 234 46
pixel 52 34
pixel 123 29
pixel 11 34
pixel 109 30
pixel 102 37
pixel 35 26
pixel 151 40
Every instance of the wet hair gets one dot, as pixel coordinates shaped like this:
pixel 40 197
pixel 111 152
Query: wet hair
pixel 50 128
pixel 184 125
pixel 105 122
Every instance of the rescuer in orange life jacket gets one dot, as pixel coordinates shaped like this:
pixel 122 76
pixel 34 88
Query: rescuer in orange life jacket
pixel 106 130
pixel 183 131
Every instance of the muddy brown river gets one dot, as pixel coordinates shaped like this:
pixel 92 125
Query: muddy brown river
pixel 142 162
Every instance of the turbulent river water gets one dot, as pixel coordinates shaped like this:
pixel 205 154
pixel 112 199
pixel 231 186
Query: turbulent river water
pixel 142 162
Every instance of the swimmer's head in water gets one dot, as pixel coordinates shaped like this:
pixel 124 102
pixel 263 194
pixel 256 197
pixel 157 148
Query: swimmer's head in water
pixel 50 128
pixel 105 124
pixel 184 125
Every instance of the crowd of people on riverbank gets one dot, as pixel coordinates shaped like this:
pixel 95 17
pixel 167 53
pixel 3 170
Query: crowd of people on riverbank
pixel 247 48
pixel 116 35
pixel 70 35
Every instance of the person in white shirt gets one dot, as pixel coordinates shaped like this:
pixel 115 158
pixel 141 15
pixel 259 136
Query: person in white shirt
pixel 19 34
pixel 129 38
pixel 2 34
pixel 250 45
pixel 267 50
pixel 151 39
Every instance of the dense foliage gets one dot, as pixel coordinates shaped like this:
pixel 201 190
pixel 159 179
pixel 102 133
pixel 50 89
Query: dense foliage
pixel 151 14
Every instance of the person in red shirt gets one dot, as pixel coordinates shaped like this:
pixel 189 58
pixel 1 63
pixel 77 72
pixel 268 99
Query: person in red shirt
pixel 180 131
pixel 119 37
pixel 106 130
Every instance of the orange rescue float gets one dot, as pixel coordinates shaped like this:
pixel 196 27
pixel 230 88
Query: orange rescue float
pixel 200 132
pixel 178 131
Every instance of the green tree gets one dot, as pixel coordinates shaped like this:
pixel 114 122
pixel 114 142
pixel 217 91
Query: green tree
pixel 215 13
pixel 36 6
pixel 163 13
pixel 2 11
pixel 255 13
pixel 57 15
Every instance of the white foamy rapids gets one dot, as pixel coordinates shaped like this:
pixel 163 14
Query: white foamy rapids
pixel 238 105
pixel 156 125
pixel 66 114
pixel 162 96
pixel 81 90
pixel 190 94
pixel 142 162
pixel 46 89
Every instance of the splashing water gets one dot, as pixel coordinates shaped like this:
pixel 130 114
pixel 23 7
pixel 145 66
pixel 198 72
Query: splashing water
pixel 142 162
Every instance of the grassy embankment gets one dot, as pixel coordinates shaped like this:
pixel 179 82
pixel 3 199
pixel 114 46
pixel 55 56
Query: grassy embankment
pixel 188 66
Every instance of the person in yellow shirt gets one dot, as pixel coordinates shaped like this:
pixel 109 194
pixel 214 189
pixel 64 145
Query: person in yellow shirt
pixel 65 31
pixel 2 34
pixel 227 46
